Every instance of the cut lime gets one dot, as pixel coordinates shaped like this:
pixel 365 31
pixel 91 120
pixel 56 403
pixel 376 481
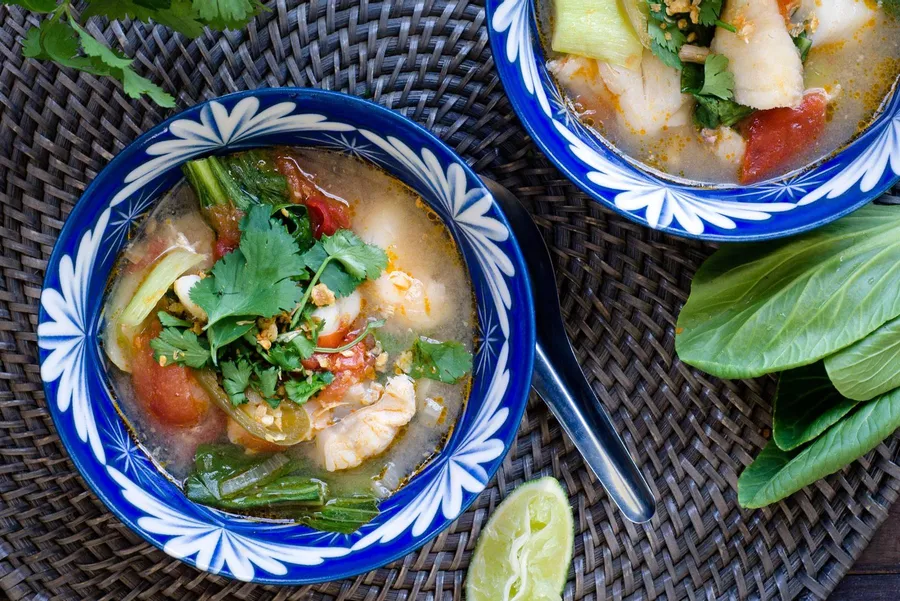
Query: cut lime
pixel 524 552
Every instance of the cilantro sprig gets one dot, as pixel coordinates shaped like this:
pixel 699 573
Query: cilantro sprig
pixel 64 38
pixel 445 362
pixel 712 85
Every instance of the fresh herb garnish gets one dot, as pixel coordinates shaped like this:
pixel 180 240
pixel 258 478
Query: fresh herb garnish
pixel 341 262
pixel 180 347
pixel 445 362
pixel 236 379
pixel 665 37
pixel 65 40
pixel 804 44
pixel 170 321
pixel 300 391
pixel 257 279
pixel 712 85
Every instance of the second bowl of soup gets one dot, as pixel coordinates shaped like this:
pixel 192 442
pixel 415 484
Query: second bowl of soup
pixel 731 120
pixel 287 336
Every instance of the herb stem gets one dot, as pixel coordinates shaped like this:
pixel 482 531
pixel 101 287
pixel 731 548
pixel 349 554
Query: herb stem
pixel 295 314
pixel 727 26
pixel 372 325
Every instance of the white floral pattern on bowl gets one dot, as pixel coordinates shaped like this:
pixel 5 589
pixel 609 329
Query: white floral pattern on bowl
pixel 74 375
pixel 787 205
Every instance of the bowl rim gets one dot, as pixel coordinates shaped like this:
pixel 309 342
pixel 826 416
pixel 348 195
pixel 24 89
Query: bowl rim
pixel 563 158
pixel 74 226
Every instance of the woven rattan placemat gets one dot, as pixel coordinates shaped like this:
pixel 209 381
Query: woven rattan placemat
pixel 621 286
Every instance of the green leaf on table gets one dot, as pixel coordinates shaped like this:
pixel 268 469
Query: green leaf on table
pixel 445 362
pixel 300 391
pixel 776 474
pixel 767 307
pixel 180 347
pixel 178 15
pixel 236 379
pixel 869 367
pixel 256 279
pixel 37 6
pixel 57 41
pixel 806 404
pixel 227 14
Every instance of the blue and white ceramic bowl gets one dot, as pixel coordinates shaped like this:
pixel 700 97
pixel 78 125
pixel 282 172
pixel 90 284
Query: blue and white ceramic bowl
pixel 75 376
pixel 800 201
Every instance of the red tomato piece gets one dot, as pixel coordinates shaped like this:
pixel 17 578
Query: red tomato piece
pixel 225 220
pixel 154 249
pixel 300 184
pixel 777 136
pixel 334 339
pixel 358 358
pixel 326 216
pixel 171 394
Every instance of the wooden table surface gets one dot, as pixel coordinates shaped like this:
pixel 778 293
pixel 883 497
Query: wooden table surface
pixel 876 575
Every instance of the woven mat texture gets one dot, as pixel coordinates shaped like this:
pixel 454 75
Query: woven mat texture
pixel 621 285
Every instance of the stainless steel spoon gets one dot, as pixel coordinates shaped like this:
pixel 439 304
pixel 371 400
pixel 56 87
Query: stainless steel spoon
pixel 558 378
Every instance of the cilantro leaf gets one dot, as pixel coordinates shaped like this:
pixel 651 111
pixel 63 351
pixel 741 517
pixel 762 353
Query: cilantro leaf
pixel 665 37
pixel 692 78
pixel 267 381
pixel 289 355
pixel 710 11
pixel 57 41
pixel 227 14
pixel 178 15
pixel 361 260
pixel 38 6
pixel 236 379
pixel 180 347
pixel 443 361
pixel 803 44
pixel 227 331
pixel 170 321
pixel 718 81
pixel 300 391
pixel 254 280
pixel 712 112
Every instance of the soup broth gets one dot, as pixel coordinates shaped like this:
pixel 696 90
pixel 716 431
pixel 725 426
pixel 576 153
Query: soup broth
pixel 385 402
pixel 853 62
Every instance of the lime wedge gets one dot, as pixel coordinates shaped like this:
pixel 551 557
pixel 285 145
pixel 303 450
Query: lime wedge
pixel 524 552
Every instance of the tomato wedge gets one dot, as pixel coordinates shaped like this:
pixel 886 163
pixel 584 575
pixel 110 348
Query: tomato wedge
pixel 326 215
pixel 777 136
pixel 225 220
pixel 171 394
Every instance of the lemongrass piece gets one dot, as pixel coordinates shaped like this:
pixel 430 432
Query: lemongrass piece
pixel 693 54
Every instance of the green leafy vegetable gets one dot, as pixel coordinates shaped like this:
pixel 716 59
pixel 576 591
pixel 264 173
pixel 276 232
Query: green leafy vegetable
pixel 300 391
pixel 599 29
pixel 236 379
pixel 665 37
pixel 761 308
pixel 255 280
pixel 710 11
pixel 170 321
pixel 806 404
pixel 804 45
pixel 870 367
pixel 717 80
pixel 180 347
pixel 345 514
pixel 341 262
pixel 777 474
pixel 228 330
pixel 63 39
pixel 227 14
pixel 243 179
pixel 712 112
pixel 443 361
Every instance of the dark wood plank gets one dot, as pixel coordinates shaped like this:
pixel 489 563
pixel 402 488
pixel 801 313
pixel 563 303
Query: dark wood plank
pixel 861 587
pixel 882 556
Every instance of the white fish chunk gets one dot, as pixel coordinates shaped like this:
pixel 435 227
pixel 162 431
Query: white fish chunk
pixel 768 72
pixel 726 144
pixel 648 99
pixel 835 20
pixel 340 314
pixel 369 431
pixel 408 301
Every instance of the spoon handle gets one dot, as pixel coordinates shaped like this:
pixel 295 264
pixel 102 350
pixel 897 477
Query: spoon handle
pixel 558 379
